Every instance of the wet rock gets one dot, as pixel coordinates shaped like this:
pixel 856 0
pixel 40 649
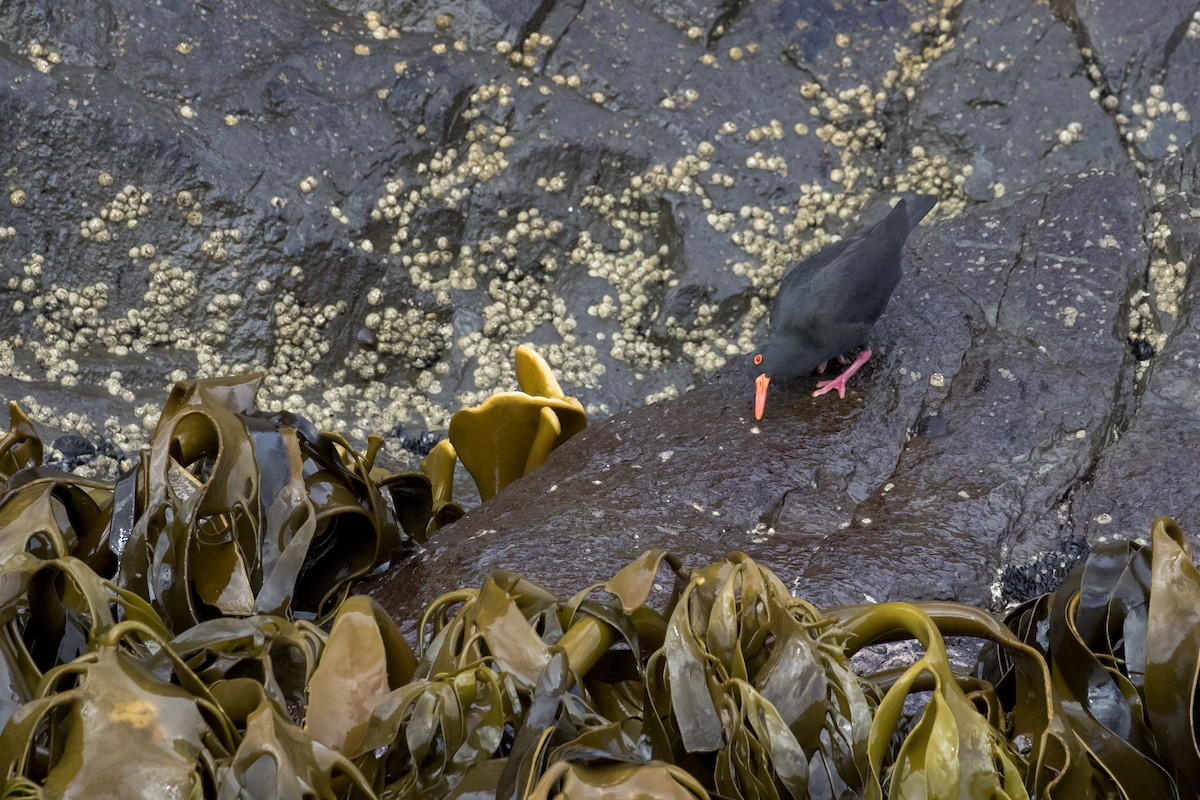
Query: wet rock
pixel 619 185
pixel 89 450
pixel 375 206
pixel 1146 68
pixel 1004 327
pixel 1015 93
pixel 1149 466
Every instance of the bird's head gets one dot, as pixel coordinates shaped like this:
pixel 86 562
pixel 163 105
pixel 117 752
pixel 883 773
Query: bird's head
pixel 780 358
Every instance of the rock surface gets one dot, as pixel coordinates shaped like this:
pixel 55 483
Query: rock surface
pixel 375 202
pixel 1152 466
pixel 999 382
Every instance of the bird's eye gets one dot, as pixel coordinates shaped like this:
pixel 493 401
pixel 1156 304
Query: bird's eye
pixel 758 358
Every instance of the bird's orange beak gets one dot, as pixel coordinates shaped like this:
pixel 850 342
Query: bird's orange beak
pixel 760 394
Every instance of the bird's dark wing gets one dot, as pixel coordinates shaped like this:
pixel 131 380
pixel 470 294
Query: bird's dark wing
pixel 829 302
pixel 795 282
pixel 856 286
pixel 833 307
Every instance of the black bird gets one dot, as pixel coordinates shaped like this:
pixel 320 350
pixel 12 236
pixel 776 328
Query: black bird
pixel 828 303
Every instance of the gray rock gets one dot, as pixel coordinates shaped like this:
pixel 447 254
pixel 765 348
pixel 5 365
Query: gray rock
pixel 999 379
pixel 376 208
pixel 1014 101
pixel 1145 67
pixel 1149 466
pixel 678 156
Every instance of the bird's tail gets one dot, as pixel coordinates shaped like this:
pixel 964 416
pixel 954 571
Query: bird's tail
pixel 918 206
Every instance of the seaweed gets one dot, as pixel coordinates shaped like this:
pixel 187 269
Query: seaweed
pixel 189 630
pixel 511 433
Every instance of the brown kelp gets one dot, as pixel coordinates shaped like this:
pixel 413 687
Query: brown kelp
pixel 424 500
pixel 233 511
pixel 513 432
pixel 193 623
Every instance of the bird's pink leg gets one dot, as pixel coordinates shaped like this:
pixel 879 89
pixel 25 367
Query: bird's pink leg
pixel 839 382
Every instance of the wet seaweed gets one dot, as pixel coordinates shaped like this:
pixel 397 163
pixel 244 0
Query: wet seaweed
pixel 511 433
pixel 194 622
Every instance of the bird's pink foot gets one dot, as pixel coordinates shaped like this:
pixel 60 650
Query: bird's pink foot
pixel 839 383
pixel 821 369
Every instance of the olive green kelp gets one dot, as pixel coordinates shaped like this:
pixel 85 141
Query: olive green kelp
pixel 230 510
pixel 511 433
pixel 20 447
pixel 233 511
pixel 187 633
